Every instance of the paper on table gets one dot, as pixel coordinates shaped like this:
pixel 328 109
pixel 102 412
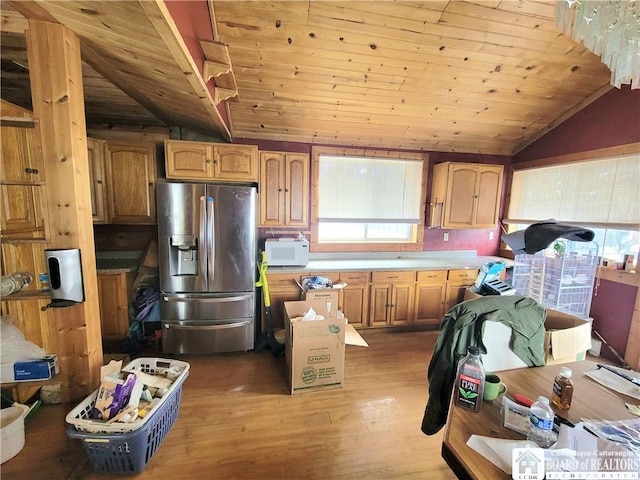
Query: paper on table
pixel 497 450
pixel 615 382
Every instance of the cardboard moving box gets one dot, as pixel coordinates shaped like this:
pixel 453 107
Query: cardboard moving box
pixel 567 339
pixel 314 349
pixel 329 296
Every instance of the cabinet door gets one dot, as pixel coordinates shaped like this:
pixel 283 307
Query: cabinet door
pixel 20 160
pixel 401 311
pixel 114 306
pixel 296 192
pixel 430 303
pixel 354 299
pixel 188 160
pixel 488 196
pixel 380 300
pixel 430 297
pixel 460 200
pixel 354 304
pixel 237 163
pixel 271 189
pixel 131 180
pixel 97 178
pixel 278 296
pixel 22 215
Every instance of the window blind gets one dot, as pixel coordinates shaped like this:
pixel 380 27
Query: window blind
pixel 605 191
pixel 376 190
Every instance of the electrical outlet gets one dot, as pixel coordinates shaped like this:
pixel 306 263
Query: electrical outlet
pixel 490 235
pixel 446 237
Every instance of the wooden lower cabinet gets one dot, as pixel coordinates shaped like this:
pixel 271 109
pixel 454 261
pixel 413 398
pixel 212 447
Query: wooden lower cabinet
pixel 114 290
pixel 354 298
pixel 458 282
pixel 431 288
pixel 391 300
pixel 282 288
pixel 381 298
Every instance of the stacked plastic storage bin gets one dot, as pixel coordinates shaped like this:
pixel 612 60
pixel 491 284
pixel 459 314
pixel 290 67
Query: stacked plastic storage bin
pixel 561 277
pixel 126 448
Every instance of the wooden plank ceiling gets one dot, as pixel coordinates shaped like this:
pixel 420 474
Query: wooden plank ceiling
pixel 479 77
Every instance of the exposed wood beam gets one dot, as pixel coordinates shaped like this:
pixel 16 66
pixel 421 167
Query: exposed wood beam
pixel 58 108
pixel 160 17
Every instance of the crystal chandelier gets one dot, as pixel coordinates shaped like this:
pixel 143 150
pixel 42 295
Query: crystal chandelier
pixel 608 28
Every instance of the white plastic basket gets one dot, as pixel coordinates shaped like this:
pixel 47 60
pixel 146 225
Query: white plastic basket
pixel 80 416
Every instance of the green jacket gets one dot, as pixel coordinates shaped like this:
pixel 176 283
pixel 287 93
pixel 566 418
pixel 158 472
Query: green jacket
pixel 461 327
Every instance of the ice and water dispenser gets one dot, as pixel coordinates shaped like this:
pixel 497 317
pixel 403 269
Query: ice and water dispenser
pixel 183 255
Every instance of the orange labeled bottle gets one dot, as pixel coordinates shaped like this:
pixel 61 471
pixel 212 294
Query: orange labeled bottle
pixel 562 390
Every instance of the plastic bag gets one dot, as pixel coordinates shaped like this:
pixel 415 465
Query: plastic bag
pixel 13 346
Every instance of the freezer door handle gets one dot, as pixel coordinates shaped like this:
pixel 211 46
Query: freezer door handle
pixel 207 327
pixel 211 239
pixel 239 298
pixel 202 247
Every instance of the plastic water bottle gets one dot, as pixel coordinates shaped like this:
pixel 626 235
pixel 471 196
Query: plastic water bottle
pixel 541 423
pixel 470 381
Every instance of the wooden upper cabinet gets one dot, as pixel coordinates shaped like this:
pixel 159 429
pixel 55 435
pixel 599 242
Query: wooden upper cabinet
pixel 211 161
pixel 23 214
pixel 21 163
pixel 131 182
pixel 235 163
pixel 284 189
pixel 96 150
pixel 470 194
pixel 188 159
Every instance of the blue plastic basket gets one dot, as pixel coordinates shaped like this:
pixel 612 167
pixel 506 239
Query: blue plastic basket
pixel 129 452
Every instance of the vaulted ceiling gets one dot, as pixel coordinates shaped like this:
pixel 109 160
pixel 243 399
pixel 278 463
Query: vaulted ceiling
pixel 466 76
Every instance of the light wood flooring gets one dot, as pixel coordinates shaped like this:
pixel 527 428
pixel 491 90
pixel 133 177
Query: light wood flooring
pixel 238 421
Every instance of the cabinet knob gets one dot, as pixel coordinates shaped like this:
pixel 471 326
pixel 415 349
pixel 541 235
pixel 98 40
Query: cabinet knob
pixel 99 182
pixel 207 161
pixel 31 170
pixel 151 184
pixel 286 189
pixel 215 161
pixel 279 189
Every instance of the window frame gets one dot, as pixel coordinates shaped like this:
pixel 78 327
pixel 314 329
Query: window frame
pixel 416 244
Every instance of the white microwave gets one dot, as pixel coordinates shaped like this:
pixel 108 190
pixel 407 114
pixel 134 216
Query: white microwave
pixel 287 251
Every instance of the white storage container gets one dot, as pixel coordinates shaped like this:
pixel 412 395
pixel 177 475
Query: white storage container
pixel 12 433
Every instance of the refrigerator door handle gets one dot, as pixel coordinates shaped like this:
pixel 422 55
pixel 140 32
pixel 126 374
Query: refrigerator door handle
pixel 187 298
pixel 202 248
pixel 211 239
pixel 207 327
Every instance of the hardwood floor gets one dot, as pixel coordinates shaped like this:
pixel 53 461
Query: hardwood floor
pixel 238 421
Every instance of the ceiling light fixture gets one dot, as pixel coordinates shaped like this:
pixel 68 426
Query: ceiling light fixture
pixel 609 29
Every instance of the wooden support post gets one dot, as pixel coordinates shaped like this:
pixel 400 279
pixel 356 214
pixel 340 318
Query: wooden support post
pixel 55 71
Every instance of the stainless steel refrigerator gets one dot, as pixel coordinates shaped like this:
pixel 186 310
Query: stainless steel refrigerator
pixel 207 259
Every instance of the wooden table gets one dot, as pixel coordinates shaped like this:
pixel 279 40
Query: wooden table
pixel 590 400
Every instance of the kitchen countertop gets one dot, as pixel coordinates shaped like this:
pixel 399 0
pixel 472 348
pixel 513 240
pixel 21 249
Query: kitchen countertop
pixel 385 261
pixel 113 262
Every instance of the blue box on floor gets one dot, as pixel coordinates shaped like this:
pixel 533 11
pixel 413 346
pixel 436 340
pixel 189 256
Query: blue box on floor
pixel 37 369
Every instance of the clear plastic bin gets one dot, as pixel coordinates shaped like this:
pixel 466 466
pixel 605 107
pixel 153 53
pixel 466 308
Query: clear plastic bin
pixel 561 277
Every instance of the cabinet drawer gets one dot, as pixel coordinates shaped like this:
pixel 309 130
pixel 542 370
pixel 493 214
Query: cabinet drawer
pixel 282 280
pixel 386 277
pixel 353 278
pixel 463 276
pixel 432 276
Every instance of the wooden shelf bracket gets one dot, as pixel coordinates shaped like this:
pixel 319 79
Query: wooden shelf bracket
pixel 217 65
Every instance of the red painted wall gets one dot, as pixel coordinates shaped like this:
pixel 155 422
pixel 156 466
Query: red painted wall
pixel 613 119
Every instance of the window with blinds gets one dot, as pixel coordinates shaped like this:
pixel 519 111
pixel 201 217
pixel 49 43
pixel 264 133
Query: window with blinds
pixel 365 199
pixel 602 195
